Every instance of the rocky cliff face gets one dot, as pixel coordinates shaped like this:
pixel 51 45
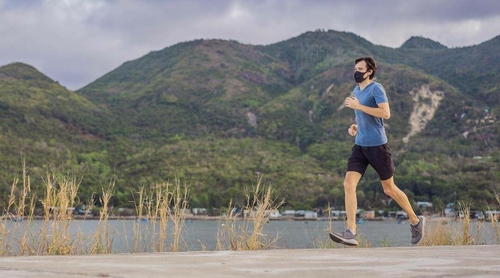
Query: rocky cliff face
pixel 426 104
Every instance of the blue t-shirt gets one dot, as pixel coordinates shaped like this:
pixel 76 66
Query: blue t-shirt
pixel 371 131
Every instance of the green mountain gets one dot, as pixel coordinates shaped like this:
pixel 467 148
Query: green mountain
pixel 44 124
pixel 218 114
pixel 473 70
pixel 422 43
pixel 197 88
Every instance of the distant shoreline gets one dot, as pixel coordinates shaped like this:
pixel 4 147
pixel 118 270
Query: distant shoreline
pixel 219 218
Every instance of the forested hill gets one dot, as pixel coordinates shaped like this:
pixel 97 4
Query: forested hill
pixel 216 113
pixel 44 124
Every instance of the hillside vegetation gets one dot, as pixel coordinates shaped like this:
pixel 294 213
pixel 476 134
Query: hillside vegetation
pixel 219 114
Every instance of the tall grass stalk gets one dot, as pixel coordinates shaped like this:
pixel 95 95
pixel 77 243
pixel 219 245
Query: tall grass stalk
pixel 24 244
pixel 148 210
pixel 494 222
pixel 448 233
pixel 161 204
pixel 139 239
pixel 102 241
pixel 466 237
pixel 161 212
pixel 496 229
pixel 15 211
pixel 60 197
pixel 324 242
pixel 178 215
pixel 21 239
pixel 248 234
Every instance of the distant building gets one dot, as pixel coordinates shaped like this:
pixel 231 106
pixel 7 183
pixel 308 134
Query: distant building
pixel 370 214
pixel 401 214
pixel 274 214
pixel 288 213
pixel 309 214
pixel 490 215
pixel 424 205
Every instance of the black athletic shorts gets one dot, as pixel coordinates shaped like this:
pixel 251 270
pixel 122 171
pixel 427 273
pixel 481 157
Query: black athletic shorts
pixel 379 157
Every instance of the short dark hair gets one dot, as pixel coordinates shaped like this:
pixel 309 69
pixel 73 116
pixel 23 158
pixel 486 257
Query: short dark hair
pixel 370 65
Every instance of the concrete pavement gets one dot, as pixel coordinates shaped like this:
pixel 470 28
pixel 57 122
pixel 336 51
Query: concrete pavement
pixel 438 261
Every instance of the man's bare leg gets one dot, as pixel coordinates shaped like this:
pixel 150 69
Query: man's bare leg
pixel 400 197
pixel 351 202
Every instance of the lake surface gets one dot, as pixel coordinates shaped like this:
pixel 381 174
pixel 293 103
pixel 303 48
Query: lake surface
pixel 130 235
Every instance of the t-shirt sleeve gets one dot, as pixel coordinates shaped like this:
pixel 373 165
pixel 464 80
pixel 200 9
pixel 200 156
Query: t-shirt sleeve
pixel 380 95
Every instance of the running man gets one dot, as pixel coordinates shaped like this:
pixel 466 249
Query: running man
pixel 371 106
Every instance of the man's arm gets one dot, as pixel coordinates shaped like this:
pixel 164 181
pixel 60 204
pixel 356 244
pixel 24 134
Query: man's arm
pixel 382 111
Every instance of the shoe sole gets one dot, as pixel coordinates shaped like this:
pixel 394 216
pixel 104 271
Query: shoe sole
pixel 424 220
pixel 337 239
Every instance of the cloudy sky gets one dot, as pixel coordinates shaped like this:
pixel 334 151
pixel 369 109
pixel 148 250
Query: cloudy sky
pixel 77 41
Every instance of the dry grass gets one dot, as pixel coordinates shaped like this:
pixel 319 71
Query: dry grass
pixel 102 241
pixel 494 224
pixel 178 215
pixel 15 211
pixel 496 230
pixel 247 234
pixel 456 232
pixel 442 232
pixel 53 235
pixel 59 198
pixel 21 234
pixel 165 204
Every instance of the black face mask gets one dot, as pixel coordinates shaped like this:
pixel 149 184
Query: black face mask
pixel 358 76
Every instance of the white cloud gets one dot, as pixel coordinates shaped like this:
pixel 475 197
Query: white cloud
pixel 77 41
pixel 73 10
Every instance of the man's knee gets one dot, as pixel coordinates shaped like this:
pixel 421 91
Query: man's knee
pixel 349 186
pixel 388 190
pixel 389 187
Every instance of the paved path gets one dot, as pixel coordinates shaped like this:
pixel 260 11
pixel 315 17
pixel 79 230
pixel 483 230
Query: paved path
pixel 441 261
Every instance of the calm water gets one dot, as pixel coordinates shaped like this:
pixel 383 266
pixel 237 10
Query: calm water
pixel 202 234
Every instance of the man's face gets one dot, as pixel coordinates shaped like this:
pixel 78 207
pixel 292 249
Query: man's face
pixel 360 66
